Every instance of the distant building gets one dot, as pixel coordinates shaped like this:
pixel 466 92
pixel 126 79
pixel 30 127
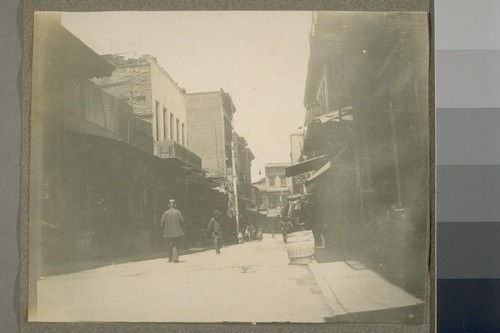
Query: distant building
pixel 274 188
pixel 211 136
pixel 209 118
pixel 155 98
pixel 244 158
pixel 260 185
pixel 255 197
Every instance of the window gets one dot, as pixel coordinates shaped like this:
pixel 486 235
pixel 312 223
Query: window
pixel 165 123
pixel 183 134
pixel 171 127
pixel 271 181
pixel 177 129
pixel 272 201
pixel 157 115
pixel 282 181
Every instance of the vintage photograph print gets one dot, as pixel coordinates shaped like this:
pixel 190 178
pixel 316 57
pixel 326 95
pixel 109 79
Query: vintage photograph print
pixel 229 166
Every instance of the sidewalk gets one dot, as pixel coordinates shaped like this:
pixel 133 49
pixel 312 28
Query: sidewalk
pixel 250 282
pixel 357 294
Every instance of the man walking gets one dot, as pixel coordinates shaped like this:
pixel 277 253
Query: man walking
pixel 215 230
pixel 172 223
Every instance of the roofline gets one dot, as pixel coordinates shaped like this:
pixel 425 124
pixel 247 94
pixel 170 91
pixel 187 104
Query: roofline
pixel 47 23
pixel 164 71
pixel 152 59
pixel 205 92
pixel 277 164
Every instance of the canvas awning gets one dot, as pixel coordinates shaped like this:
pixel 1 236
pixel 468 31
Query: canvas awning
pixel 326 166
pixel 321 171
pixel 306 166
pixel 338 115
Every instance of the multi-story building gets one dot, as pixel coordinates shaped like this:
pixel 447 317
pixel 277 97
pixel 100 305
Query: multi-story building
pixel 156 98
pixel 209 118
pixel 211 136
pixel 97 191
pixel 244 158
pixel 366 139
pixel 274 188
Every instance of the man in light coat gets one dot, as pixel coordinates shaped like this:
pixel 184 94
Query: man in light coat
pixel 172 223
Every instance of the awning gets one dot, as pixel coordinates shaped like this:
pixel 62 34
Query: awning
pixel 325 167
pixel 338 115
pixel 306 166
pixel 321 171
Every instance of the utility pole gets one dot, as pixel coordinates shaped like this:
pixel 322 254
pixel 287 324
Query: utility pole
pixel 235 174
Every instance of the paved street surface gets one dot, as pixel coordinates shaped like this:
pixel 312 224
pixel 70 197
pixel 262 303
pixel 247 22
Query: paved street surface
pixel 250 282
pixel 349 288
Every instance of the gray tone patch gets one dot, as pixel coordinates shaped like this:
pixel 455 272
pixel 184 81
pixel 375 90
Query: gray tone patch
pixel 468 136
pixel 461 24
pixel 468 250
pixel 468 193
pixel 10 147
pixel 467 78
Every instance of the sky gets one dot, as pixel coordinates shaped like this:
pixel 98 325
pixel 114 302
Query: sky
pixel 260 58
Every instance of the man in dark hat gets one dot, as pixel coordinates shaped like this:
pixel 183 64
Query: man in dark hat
pixel 215 230
pixel 172 223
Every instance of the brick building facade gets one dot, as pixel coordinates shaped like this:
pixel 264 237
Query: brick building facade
pixel 209 118
pixel 244 158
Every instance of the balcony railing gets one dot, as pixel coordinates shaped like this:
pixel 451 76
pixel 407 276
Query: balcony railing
pixel 170 149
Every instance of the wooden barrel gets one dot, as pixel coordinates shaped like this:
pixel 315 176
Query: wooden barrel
pixel 300 246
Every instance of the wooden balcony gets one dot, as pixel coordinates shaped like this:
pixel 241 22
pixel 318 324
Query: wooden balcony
pixel 171 149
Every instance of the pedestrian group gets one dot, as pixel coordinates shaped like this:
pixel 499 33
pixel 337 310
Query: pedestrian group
pixel 172 222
